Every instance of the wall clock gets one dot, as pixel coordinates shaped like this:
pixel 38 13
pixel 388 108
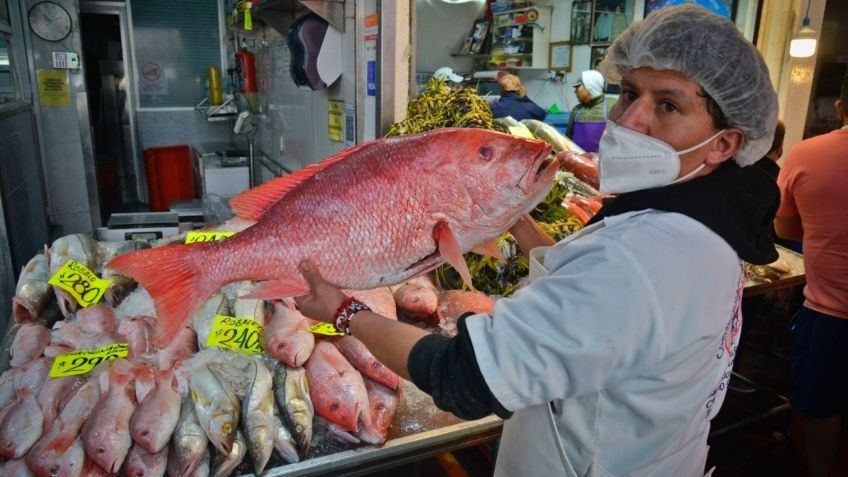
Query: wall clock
pixel 50 21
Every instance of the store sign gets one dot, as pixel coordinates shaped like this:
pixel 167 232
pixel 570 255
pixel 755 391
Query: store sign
pixel 84 360
pixel 325 329
pixel 200 237
pixel 83 284
pixel 238 334
pixel 372 35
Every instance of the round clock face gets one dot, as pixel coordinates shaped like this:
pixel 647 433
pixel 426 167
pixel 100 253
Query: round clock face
pixel 50 21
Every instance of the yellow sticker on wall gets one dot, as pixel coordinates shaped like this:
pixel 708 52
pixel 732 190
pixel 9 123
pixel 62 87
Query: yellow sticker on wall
pixel 83 284
pixel 84 360
pixel 199 237
pixel 238 334
pixel 325 329
pixel 335 127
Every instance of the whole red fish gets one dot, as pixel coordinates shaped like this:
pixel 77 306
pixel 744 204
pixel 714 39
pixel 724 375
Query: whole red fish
pixel 372 215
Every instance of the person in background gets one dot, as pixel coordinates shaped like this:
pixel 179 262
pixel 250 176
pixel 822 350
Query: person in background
pixel 616 355
pixel 813 201
pixel 514 101
pixel 588 119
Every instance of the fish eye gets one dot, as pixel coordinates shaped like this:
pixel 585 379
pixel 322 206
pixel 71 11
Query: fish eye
pixel 227 428
pixel 334 406
pixel 485 153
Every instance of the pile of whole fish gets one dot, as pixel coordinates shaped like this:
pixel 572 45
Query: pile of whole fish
pixel 367 218
pixel 182 411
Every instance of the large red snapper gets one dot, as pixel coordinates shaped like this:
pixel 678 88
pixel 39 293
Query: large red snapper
pixel 372 215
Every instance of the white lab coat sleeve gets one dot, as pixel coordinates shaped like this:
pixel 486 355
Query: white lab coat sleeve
pixel 592 321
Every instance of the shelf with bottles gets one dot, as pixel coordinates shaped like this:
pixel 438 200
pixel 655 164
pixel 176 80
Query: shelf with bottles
pixel 521 34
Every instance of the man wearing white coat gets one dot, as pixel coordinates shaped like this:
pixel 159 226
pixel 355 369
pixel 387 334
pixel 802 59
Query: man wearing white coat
pixel 615 358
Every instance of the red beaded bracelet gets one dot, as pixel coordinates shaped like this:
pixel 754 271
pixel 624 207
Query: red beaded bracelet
pixel 345 313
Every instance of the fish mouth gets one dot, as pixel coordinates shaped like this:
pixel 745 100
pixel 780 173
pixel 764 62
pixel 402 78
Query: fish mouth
pixel 543 166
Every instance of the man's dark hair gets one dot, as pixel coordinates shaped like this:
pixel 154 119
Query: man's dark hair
pixel 844 95
pixel 719 120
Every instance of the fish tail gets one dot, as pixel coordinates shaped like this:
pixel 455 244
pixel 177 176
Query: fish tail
pixel 175 282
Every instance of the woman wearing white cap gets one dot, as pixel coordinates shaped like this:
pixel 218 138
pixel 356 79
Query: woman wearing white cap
pixel 588 119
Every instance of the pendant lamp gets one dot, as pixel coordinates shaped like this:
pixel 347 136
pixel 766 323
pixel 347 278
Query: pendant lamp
pixel 803 44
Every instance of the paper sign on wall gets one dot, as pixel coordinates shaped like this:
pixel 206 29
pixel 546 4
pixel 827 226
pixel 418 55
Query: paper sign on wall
pixel 335 129
pixel 53 88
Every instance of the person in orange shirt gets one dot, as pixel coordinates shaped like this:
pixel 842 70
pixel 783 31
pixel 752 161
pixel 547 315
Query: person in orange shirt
pixel 812 210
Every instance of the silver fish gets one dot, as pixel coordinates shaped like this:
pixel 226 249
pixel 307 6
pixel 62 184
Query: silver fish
pixel 32 292
pixel 203 319
pixel 258 415
pixel 216 406
pixel 224 464
pixel 284 442
pixel 550 135
pixel 296 411
pixel 189 442
pixel 78 247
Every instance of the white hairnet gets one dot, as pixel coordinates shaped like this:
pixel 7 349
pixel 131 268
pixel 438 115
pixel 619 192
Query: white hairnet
pixel 593 81
pixel 446 74
pixel 711 52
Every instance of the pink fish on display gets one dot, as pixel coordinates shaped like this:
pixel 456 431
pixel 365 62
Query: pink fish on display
pixel 155 418
pixel 363 360
pixel 372 215
pixel 106 434
pixel 338 392
pixel 384 404
pixel 30 341
pixel 20 426
pixel 286 338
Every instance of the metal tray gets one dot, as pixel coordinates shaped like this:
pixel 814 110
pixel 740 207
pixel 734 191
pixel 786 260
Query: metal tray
pixel 796 276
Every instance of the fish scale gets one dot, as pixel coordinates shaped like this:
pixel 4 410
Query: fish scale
pixel 335 214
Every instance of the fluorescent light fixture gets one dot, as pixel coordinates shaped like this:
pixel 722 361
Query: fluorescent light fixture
pixel 803 44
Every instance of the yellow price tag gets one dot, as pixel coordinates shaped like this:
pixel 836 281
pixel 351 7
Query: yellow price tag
pixel 324 329
pixel 521 132
pixel 248 18
pixel 80 282
pixel 239 334
pixel 84 360
pixel 200 237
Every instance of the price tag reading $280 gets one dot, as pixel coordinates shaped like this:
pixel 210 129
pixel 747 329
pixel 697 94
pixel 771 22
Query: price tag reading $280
pixel 84 360
pixel 203 237
pixel 83 284
pixel 324 329
pixel 240 334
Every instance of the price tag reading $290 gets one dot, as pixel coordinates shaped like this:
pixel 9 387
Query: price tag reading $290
pixel 84 360
pixel 324 329
pixel 83 284
pixel 239 334
pixel 202 237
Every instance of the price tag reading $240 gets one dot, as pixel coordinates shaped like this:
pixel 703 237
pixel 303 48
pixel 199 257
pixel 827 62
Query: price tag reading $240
pixel 239 334
pixel 203 237
pixel 324 329
pixel 84 360
pixel 83 284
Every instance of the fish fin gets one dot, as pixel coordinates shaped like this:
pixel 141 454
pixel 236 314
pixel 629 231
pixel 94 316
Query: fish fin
pixel 252 203
pixel 278 289
pixel 489 249
pixel 176 285
pixel 449 248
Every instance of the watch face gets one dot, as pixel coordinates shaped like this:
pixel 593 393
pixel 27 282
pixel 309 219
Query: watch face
pixel 50 21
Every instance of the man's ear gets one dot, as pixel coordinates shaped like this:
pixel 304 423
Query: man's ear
pixel 725 146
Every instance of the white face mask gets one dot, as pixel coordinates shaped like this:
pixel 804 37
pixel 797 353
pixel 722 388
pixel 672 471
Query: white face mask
pixel 628 160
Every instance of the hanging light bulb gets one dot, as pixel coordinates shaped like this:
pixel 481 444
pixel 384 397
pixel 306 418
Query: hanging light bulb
pixel 803 44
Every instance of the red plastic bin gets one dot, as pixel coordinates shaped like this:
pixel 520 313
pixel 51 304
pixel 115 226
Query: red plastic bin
pixel 169 176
